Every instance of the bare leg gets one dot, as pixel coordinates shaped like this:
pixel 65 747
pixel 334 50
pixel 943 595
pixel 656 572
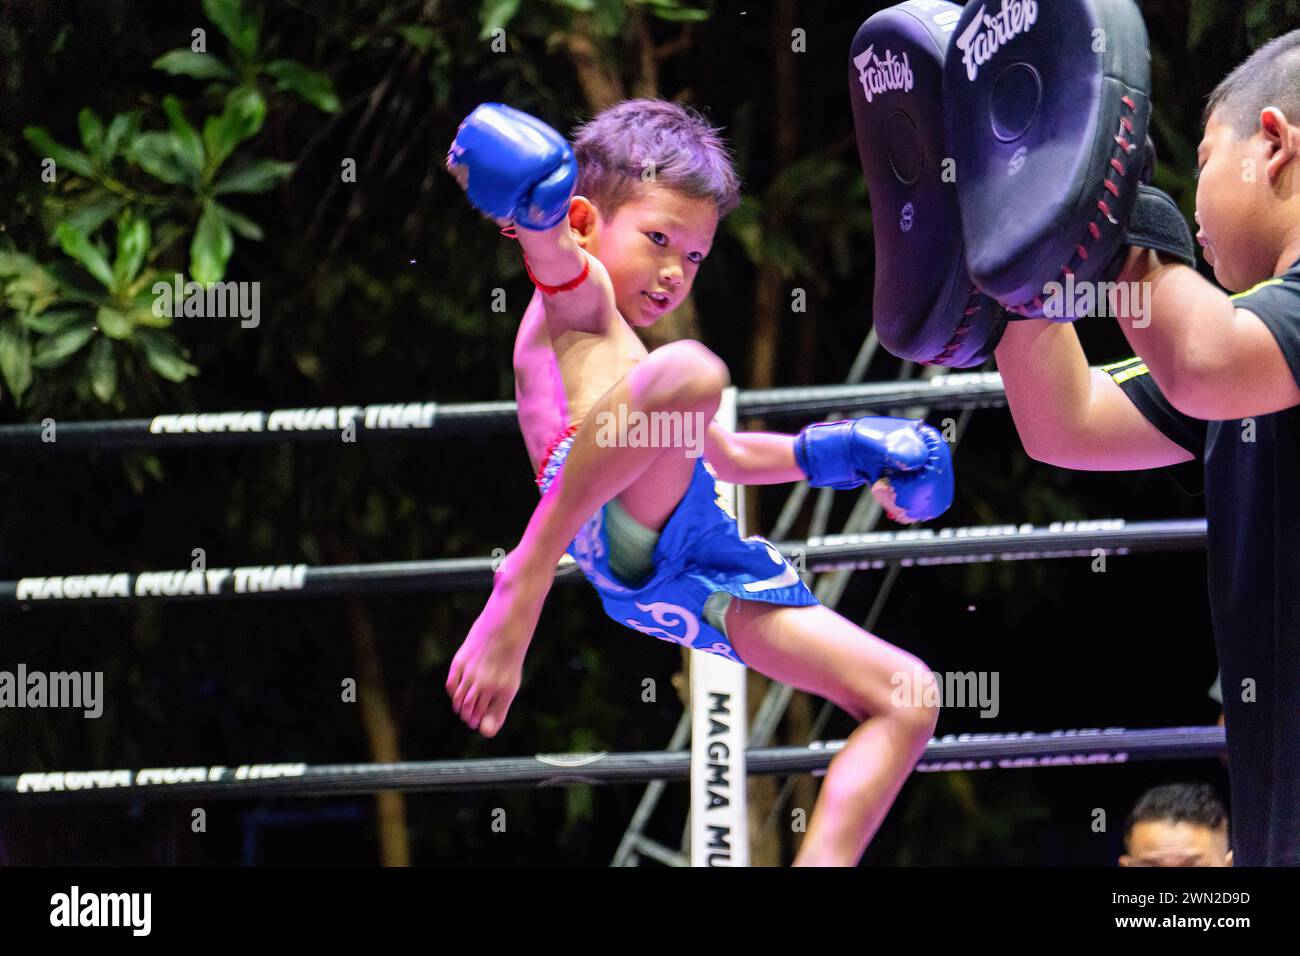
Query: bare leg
pixel 816 650
pixel 650 481
pixel 680 377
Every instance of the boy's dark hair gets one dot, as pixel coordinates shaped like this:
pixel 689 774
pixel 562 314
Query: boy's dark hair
pixel 617 146
pixel 1194 803
pixel 1269 77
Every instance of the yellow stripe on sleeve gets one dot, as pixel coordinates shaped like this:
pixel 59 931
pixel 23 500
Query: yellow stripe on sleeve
pixel 1134 371
pixel 1255 288
pixel 1117 365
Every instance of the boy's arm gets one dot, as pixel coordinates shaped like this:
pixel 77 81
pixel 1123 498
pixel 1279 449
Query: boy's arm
pixel 906 462
pixel 1212 360
pixel 751 458
pixel 1070 415
pixel 555 259
pixel 521 172
pixel 905 458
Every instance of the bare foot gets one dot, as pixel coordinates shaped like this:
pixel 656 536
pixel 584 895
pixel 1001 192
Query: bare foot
pixel 486 671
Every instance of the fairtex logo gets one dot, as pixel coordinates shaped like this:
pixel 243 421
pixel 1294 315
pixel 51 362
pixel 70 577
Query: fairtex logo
pixel 988 34
pixel 879 76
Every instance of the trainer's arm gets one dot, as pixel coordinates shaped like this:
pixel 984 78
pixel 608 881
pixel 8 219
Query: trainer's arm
pixel 1070 415
pixel 1212 360
pixel 751 458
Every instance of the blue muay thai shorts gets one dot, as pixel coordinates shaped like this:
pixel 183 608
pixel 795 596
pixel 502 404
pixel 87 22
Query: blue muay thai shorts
pixel 676 584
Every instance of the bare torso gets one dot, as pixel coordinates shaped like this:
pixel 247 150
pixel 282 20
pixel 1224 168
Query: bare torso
pixel 556 383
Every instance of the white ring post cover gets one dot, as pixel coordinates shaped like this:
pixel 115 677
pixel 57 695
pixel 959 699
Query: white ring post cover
pixel 719 732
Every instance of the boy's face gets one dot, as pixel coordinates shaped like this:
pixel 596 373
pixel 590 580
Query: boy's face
pixel 1165 843
pixel 652 247
pixel 1233 210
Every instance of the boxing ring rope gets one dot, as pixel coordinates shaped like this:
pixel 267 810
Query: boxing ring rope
pixel 819 554
pixel 953 752
pixel 872 550
pixel 433 419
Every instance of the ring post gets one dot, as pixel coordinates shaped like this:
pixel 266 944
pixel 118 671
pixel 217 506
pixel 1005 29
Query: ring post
pixel 719 731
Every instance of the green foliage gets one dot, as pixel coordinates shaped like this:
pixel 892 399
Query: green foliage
pixel 495 15
pixel 240 23
pixel 122 205
pixel 607 18
pixel 813 214
pixel 1263 17
pixel 674 10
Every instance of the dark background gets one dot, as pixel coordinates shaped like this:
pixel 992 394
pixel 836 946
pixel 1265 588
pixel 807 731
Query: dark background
pixel 379 290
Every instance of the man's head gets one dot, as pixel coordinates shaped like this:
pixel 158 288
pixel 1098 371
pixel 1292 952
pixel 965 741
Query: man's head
pixel 654 179
pixel 1248 194
pixel 1179 824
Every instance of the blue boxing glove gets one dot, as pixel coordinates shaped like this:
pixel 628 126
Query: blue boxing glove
pixel 513 167
pixel 906 462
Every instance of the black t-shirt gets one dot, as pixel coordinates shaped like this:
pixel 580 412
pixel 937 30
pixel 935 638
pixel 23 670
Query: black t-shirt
pixel 1252 506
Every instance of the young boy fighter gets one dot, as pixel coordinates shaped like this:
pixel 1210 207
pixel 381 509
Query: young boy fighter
pixel 644 523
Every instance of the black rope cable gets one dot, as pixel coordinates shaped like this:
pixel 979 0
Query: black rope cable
pixel 953 752
pixel 919 547
pixel 360 423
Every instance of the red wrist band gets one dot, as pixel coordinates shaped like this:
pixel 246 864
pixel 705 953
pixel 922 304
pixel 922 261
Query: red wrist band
pixel 510 233
pixel 566 287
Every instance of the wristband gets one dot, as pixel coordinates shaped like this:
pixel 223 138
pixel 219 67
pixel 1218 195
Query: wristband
pixel 569 286
pixel 566 287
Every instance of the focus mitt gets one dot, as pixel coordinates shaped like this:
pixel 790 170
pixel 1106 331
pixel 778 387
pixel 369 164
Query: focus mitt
pixel 926 309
